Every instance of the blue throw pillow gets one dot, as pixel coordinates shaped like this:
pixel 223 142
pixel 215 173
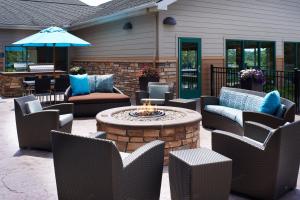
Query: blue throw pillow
pixel 79 84
pixel 270 103
pixel 105 83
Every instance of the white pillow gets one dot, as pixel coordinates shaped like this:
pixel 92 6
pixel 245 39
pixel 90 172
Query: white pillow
pixel 33 106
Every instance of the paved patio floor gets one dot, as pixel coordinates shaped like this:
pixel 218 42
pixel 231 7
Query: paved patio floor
pixel 29 174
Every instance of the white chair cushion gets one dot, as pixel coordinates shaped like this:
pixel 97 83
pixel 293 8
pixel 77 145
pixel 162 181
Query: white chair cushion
pixel 64 119
pixel 33 106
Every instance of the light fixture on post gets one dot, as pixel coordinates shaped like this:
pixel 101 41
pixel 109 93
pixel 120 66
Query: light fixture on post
pixel 127 26
pixel 170 21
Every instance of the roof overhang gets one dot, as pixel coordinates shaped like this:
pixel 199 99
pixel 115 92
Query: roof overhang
pixel 22 27
pixel 131 12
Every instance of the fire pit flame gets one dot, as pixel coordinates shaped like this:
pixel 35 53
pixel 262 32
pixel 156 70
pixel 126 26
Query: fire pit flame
pixel 147 110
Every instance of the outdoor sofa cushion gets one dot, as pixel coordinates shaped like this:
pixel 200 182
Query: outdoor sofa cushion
pixel 99 98
pixel 104 83
pixel 79 84
pixel 33 106
pixel 231 113
pixel 64 119
pixel 270 103
pixel 92 82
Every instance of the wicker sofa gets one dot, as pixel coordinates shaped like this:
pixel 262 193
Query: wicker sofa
pixel 89 105
pixel 234 107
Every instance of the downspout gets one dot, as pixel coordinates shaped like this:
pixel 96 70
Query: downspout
pixel 156 57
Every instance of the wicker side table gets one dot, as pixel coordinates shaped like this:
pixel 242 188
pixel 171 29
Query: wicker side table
pixel 183 103
pixel 199 174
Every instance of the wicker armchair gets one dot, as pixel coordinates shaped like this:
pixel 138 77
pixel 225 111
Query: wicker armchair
pixel 92 168
pixel 34 129
pixel 262 170
pixel 156 94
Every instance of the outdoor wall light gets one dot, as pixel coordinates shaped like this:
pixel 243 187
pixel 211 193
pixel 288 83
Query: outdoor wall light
pixel 170 21
pixel 127 26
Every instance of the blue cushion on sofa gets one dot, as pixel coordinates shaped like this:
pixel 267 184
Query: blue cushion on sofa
pixel 79 84
pixel 232 99
pixel 231 113
pixel 280 111
pixel 270 103
pixel 105 83
pixel 253 103
pixel 92 82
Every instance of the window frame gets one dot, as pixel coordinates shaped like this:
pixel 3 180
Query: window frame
pixel 297 61
pixel 242 43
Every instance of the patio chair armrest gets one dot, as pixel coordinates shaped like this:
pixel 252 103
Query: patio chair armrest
pixel 225 140
pixel 67 94
pixel 263 118
pixel 256 131
pixel 208 100
pixel 169 96
pixel 140 94
pixel 35 121
pixel 145 153
pixel 64 108
pixel 117 90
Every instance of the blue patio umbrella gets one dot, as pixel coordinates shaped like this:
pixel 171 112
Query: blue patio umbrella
pixel 52 37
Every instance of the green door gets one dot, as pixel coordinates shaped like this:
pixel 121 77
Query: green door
pixel 189 68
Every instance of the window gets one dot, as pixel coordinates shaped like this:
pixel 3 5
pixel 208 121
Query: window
pixel 14 55
pixel 17 58
pixel 291 55
pixel 250 54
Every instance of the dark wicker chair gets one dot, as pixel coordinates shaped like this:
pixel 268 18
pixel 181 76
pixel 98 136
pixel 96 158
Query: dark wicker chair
pixel 217 121
pixel 157 98
pixel 42 88
pixel 262 170
pixel 34 129
pixel 92 168
pixel 60 86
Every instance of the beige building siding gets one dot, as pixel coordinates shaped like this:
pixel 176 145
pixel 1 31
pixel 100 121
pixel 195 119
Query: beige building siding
pixel 217 20
pixel 110 40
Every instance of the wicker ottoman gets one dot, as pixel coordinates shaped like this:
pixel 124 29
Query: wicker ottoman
pixel 199 174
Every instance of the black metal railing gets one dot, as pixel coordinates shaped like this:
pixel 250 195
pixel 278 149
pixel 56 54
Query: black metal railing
pixel 286 82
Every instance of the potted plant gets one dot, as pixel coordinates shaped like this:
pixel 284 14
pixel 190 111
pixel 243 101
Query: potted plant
pixel 148 74
pixel 77 70
pixel 252 79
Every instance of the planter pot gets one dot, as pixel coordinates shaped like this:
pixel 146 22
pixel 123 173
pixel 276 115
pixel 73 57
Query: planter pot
pixel 250 84
pixel 143 81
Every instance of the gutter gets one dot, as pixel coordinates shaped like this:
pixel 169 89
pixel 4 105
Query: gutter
pixel 22 27
pixel 131 12
pixel 139 10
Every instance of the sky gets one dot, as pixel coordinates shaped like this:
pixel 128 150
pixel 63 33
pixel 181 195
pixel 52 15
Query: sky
pixel 94 2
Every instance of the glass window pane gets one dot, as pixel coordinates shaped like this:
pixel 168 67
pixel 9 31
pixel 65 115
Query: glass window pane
pixel 15 58
pixel 189 66
pixel 289 56
pixel 298 56
pixel 267 50
pixel 234 53
pixel 250 54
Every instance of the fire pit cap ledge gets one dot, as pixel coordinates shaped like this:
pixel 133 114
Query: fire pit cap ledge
pixel 106 117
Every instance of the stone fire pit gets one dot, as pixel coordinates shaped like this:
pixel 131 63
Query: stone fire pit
pixel 178 127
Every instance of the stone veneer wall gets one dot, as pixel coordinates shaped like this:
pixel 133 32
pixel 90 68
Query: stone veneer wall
pixel 126 73
pixel 176 137
pixel 11 83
